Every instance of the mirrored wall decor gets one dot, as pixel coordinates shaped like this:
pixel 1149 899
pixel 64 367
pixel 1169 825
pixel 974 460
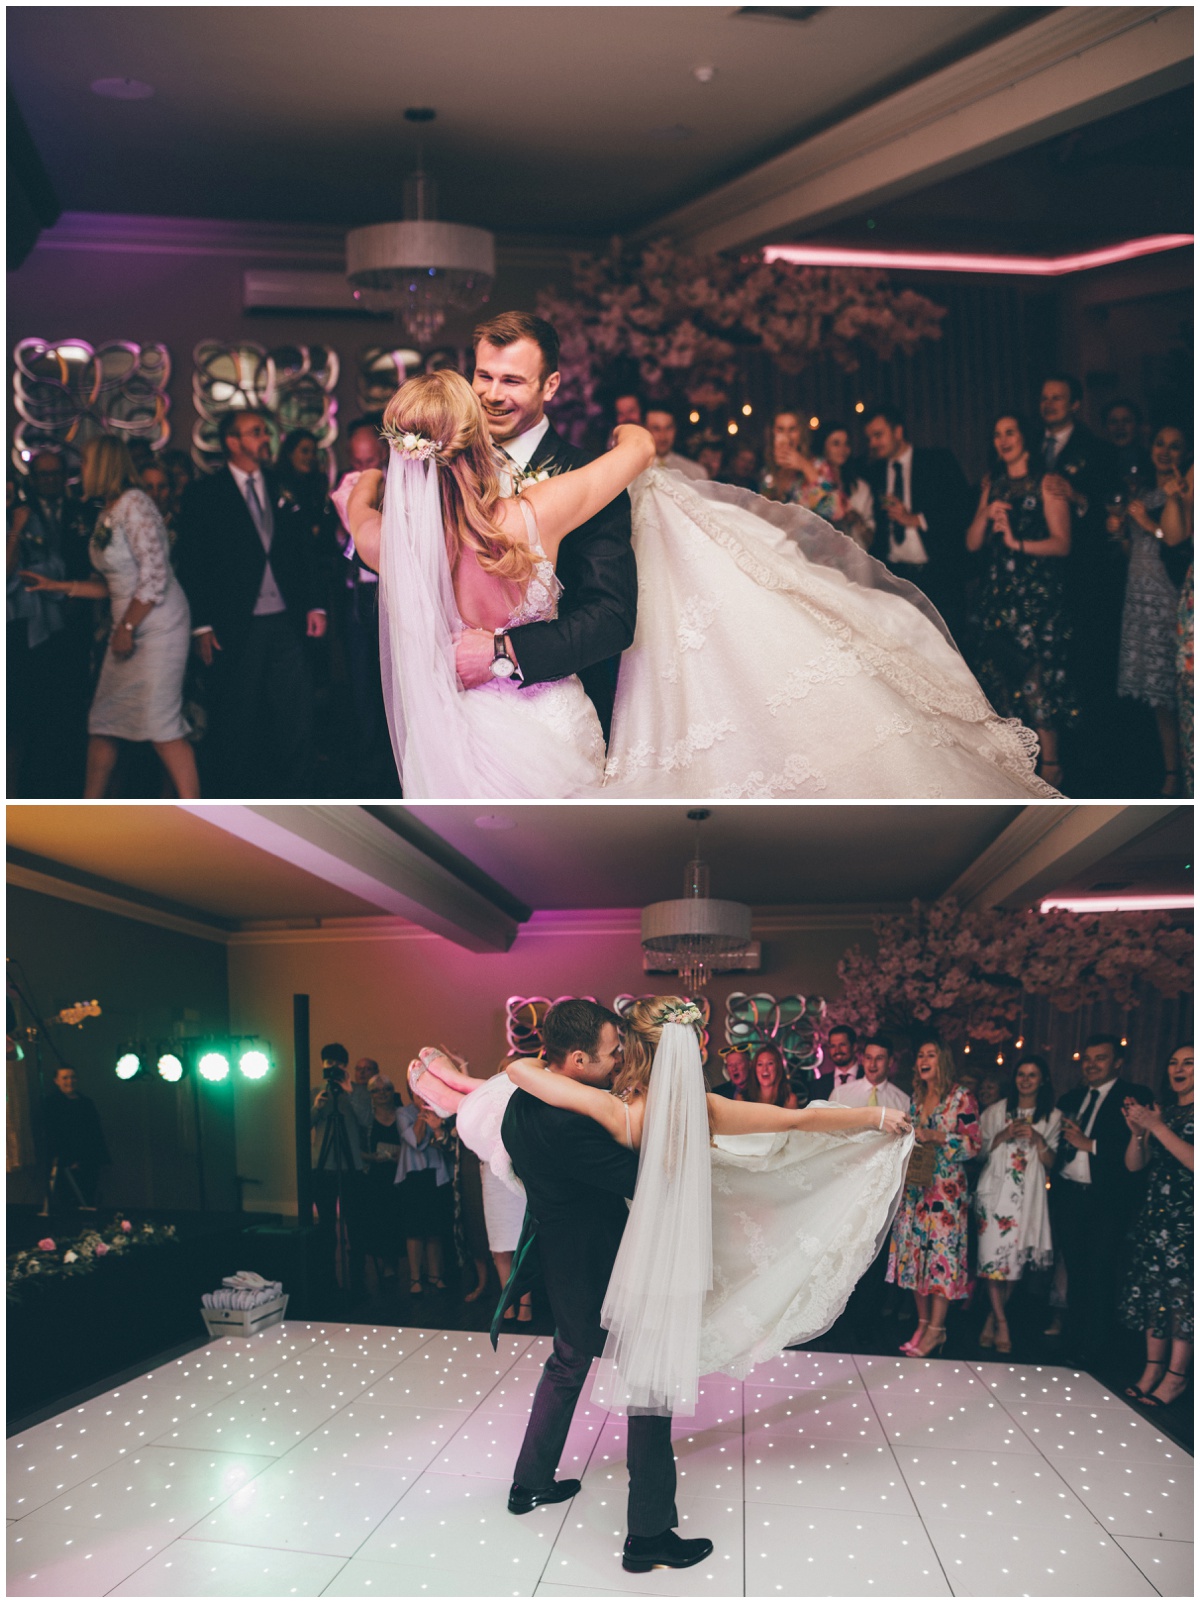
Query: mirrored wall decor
pixel 525 1015
pixel 294 384
pixel 795 1024
pixel 381 372
pixel 67 391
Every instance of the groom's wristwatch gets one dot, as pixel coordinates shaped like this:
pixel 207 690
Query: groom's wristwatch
pixel 503 666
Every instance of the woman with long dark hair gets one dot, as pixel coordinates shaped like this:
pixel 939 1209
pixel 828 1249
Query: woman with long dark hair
pixel 1158 1296
pixel 769 1081
pixel 929 1237
pixel 1019 1135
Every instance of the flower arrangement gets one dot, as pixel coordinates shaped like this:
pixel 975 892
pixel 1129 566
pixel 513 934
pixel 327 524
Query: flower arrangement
pixel 413 446
pixel 965 974
pixel 683 320
pixel 54 1258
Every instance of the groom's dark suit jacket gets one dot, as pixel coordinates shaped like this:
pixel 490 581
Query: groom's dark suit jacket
pixel 598 610
pixel 576 1180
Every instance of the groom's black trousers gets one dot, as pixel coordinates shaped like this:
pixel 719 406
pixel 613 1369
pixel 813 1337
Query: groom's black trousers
pixel 651 1461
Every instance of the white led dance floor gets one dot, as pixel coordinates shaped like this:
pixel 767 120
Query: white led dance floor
pixel 356 1461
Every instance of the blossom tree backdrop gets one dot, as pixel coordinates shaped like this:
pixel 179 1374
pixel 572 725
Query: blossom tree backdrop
pixel 986 981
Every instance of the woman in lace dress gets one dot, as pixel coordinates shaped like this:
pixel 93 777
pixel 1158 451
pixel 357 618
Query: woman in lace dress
pixel 1019 1135
pixel 871 697
pixel 1019 620
pixel 1147 670
pixel 139 695
pixel 929 1238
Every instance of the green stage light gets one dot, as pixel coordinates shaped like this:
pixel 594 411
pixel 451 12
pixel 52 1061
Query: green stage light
pixel 170 1067
pixel 213 1066
pixel 129 1065
pixel 254 1064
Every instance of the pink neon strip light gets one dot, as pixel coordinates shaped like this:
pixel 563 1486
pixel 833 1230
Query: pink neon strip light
pixel 953 262
pixel 1119 904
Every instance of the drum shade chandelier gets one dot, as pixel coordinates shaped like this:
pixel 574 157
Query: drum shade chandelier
pixel 696 933
pixel 421 269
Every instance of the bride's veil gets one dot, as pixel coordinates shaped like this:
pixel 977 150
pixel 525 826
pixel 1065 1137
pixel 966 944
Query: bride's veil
pixel 663 1270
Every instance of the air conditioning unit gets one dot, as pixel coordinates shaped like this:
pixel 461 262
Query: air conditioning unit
pixel 265 291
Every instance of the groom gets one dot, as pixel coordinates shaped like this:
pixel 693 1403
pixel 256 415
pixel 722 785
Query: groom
pixel 516 373
pixel 576 1180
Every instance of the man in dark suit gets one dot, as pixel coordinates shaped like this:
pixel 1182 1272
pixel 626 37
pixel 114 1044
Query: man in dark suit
pixel 576 1180
pixel 246 560
pixel 1092 1197
pixel 923 509
pixel 842 1064
pixel 1082 470
pixel 516 373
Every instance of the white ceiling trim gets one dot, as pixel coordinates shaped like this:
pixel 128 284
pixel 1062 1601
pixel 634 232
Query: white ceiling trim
pixel 31 880
pixel 1079 63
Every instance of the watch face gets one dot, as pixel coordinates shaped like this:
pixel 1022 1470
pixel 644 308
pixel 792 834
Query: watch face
pixel 502 668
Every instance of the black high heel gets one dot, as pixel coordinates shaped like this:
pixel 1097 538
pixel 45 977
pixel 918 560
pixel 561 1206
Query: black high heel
pixel 1149 1401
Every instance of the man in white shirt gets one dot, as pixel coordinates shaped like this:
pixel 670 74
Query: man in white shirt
pixel 873 1088
pixel 661 424
pixel 1092 1197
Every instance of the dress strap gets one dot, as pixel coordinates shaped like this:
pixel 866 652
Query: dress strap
pixel 531 526
pixel 628 1127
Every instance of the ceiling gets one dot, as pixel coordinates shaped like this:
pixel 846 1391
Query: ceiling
pixel 176 861
pixel 575 120
pixel 1158 862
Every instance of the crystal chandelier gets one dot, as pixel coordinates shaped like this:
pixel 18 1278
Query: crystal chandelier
pixel 695 933
pixel 421 268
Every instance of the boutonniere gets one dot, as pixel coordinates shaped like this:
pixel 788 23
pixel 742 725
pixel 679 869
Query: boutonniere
pixel 286 499
pixel 522 477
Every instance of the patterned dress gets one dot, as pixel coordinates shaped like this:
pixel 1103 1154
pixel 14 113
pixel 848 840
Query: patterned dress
pixel 1149 620
pixel 1186 681
pixel 1158 1288
pixel 929 1238
pixel 1019 625
pixel 1011 1200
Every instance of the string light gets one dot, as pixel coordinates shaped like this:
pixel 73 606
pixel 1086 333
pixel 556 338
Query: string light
pixel 693 417
pixel 859 406
pixel 814 422
pixel 732 427
pixel 747 409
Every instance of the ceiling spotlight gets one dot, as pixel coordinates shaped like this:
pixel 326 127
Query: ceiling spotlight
pixel 214 1067
pixel 704 74
pixel 129 1065
pixel 122 88
pixel 170 1068
pixel 495 821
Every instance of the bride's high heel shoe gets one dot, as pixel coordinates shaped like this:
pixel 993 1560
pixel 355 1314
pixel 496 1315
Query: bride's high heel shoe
pixel 431 1090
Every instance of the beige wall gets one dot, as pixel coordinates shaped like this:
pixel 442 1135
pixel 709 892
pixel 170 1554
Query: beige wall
pixel 386 991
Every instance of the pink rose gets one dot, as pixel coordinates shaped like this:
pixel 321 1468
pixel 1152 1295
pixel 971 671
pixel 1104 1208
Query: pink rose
pixel 101 1248
pixel 46 1245
pixel 126 1226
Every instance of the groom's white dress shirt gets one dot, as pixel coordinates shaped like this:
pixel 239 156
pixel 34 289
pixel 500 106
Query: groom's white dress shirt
pixel 521 449
pixel 857 1094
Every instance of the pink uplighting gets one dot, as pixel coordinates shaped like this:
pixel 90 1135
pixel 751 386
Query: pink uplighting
pixel 1119 904
pixel 953 262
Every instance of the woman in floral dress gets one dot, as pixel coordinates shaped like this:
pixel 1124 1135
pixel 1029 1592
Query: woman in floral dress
pixel 1020 1137
pixel 1158 1288
pixel 1018 621
pixel 929 1238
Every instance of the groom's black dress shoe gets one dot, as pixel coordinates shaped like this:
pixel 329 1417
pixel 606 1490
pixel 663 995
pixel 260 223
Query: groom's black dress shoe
pixel 524 1499
pixel 668 1551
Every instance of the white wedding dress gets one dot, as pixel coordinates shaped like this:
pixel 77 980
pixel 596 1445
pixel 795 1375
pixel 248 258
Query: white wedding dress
pixel 772 657
pixel 797 1219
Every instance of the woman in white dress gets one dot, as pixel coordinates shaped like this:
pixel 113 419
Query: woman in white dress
pixel 1020 1136
pixel 139 695
pixel 750 1225
pixel 772 657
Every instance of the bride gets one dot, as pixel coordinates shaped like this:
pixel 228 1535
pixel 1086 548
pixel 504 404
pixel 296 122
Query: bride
pixel 772 656
pixel 750 1225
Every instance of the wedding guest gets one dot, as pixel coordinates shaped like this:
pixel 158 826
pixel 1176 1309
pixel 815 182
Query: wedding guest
pixel 1177 528
pixel 929 1238
pixel 737 1084
pixel 358 1092
pixel 709 455
pixel 338 1170
pixel 156 482
pixel 71 1142
pixel 1147 671
pixel 784 457
pixel 921 508
pixel 139 695
pixel 741 467
pixel 47 642
pixel 842 1062
pixel 1121 421
pixel 246 562
pixel 425 1179
pixel 873 1088
pixel 1158 1295
pixel 851 504
pixel 1019 634
pixel 627 408
pixel 504 1214
pixel 182 471
pixel 382 1233
pixel 660 421
pixel 1093 1196
pixel 1019 1137
pixel 769 1081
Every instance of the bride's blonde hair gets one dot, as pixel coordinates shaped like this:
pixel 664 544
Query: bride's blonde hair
pixel 443 407
pixel 643 1031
